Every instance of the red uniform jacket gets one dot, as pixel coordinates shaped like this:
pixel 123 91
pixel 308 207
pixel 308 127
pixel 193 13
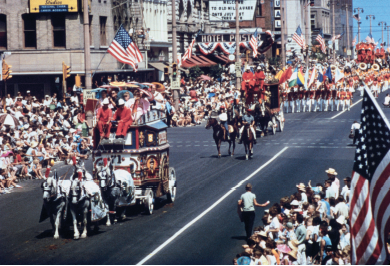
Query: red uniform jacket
pixel 260 77
pixel 104 115
pixel 123 114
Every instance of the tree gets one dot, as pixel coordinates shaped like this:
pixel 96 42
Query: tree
pixel 195 72
pixel 215 71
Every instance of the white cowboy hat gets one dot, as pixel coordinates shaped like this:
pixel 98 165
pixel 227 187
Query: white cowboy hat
pixel 105 101
pixel 121 102
pixel 331 171
pixel 295 203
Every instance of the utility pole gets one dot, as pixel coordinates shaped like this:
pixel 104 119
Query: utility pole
pixel 174 53
pixel 348 43
pixel 334 33
pixel 282 33
pixel 238 85
pixel 358 9
pixel 384 24
pixel 307 33
pixel 371 17
pixel 87 49
pixel 387 28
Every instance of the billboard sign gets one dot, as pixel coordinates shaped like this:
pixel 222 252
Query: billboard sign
pixel 51 6
pixel 224 10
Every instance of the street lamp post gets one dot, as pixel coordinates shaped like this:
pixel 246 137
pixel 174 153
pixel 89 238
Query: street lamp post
pixel 384 24
pixel 372 17
pixel 358 9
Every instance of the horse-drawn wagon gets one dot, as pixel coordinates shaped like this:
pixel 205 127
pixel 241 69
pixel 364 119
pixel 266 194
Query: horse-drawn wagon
pixel 269 113
pixel 144 153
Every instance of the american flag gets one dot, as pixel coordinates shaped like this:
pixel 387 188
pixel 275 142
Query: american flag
pixel 320 39
pixel 124 49
pixel 188 53
pixel 356 16
pixel 253 44
pixel 337 37
pixel 354 41
pixel 369 38
pixel 370 194
pixel 298 37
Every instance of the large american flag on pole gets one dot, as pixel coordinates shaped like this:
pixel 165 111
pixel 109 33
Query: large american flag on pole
pixel 337 37
pixel 369 38
pixel 320 39
pixel 188 53
pixel 124 49
pixel 370 186
pixel 253 44
pixel 298 37
pixel 354 41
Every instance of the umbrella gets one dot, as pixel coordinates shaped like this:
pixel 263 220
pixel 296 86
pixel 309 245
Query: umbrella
pixel 7 153
pixel 205 77
pixel 148 94
pixel 284 248
pixel 142 86
pixel 147 84
pixel 99 89
pixel 121 94
pixel 131 85
pixel 159 86
pixel 118 84
pixel 10 120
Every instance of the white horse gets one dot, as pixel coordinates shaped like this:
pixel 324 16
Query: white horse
pixel 54 201
pixel 117 189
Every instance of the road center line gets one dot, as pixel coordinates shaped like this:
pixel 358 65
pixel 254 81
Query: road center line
pixel 346 109
pixel 209 209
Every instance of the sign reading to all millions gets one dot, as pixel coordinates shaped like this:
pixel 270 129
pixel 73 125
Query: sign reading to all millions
pixel 221 10
pixel 50 6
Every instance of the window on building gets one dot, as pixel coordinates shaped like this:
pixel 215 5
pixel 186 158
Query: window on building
pixel 90 31
pixel 30 31
pixel 3 32
pixel 59 36
pixel 103 37
pixel 313 21
pixel 259 11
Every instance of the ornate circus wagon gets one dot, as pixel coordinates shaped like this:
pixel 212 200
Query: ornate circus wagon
pixel 145 154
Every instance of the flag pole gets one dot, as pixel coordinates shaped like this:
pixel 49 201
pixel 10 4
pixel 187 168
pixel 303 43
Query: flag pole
pixel 87 49
pixel 104 55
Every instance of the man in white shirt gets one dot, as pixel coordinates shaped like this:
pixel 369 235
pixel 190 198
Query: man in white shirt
pixel 158 98
pixel 387 100
pixel 223 119
pixel 8 101
pixel 346 189
pixel 74 99
pixel 355 130
pixel 341 209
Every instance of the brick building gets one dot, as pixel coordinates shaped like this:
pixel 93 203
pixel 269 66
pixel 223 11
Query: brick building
pixel 40 42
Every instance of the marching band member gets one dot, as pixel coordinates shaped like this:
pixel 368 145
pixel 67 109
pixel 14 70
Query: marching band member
pixel 348 99
pixel 341 96
pixel 290 97
pixel 374 88
pixel 328 97
pixel 307 100
pixel 318 98
pixel 334 100
pixel 284 104
pixel 311 99
pixel 301 99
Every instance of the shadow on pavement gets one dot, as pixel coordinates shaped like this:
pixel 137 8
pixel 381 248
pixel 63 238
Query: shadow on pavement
pixel 239 237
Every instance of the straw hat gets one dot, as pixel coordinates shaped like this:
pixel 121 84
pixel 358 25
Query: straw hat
pixel 293 244
pixel 301 186
pixel 262 233
pixel 34 144
pixel 331 171
pixel 293 253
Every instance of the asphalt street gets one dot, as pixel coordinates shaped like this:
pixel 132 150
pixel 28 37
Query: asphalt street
pixel 202 226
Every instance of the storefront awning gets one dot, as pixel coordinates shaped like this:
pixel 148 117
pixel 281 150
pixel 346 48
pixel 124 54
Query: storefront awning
pixel 158 65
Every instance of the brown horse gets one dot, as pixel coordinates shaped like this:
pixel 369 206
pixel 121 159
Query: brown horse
pixel 247 139
pixel 220 135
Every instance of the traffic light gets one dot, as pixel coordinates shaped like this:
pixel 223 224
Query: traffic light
pixel 247 52
pixel 6 71
pixel 166 71
pixel 65 71
pixel 174 71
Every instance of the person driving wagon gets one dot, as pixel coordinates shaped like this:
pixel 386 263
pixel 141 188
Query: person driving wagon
pixel 248 119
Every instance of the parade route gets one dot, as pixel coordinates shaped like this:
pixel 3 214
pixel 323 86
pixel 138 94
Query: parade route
pixel 202 226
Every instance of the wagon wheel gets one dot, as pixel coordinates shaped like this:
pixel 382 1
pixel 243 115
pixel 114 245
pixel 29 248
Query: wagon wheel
pixel 171 195
pixel 273 125
pixel 281 120
pixel 164 172
pixel 149 202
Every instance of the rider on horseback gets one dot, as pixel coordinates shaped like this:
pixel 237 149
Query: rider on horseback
pixel 248 120
pixel 223 120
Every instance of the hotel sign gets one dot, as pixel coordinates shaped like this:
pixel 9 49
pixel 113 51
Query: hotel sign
pixel 50 6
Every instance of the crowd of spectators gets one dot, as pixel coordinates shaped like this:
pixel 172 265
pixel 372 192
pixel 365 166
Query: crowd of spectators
pixel 45 131
pixel 308 227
